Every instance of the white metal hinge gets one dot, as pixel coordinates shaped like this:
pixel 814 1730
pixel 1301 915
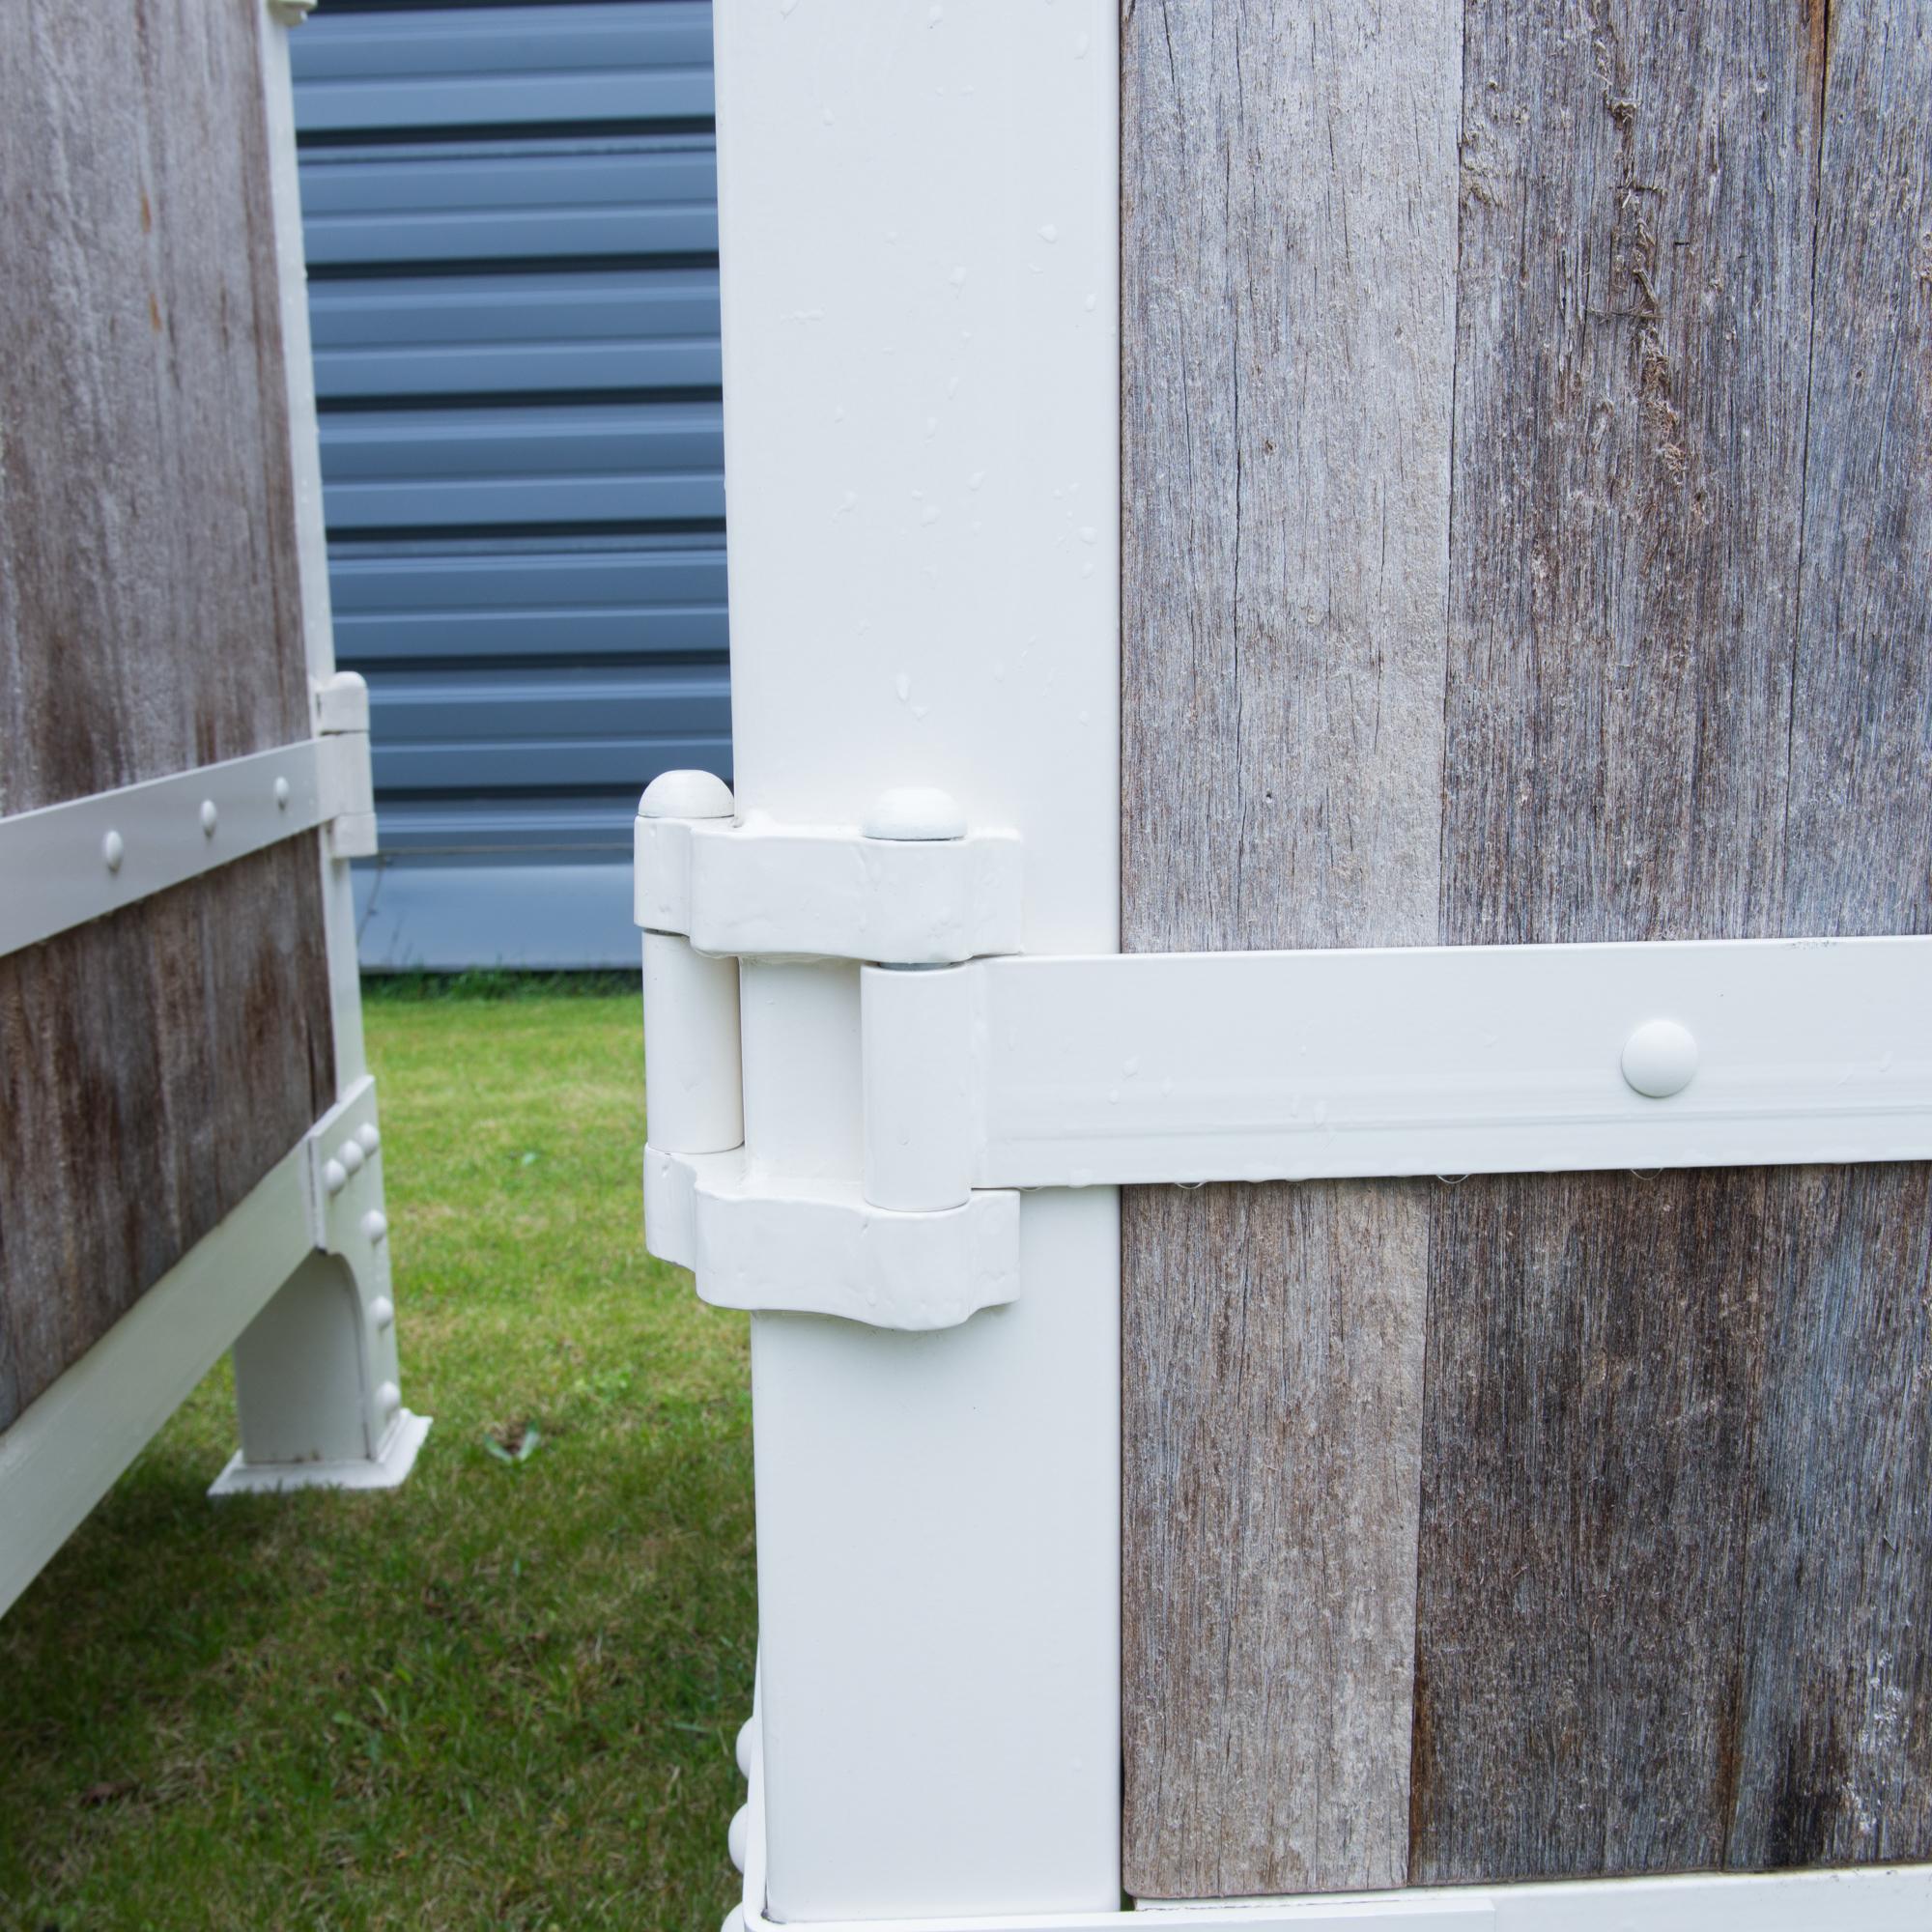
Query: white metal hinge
pixel 984 1076
pixel 69 863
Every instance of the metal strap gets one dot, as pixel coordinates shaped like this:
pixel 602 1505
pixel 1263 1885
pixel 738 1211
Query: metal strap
pixel 71 862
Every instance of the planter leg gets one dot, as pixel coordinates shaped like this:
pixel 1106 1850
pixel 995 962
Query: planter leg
pixel 316 1381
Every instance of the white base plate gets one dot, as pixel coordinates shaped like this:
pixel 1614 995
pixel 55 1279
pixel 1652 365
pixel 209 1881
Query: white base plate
pixel 380 1472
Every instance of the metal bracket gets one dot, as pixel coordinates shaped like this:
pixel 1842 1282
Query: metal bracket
pixel 995 1074
pixel 79 860
pixel 911 884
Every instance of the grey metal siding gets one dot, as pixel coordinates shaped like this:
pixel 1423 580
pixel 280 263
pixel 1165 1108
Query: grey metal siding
pixel 510 215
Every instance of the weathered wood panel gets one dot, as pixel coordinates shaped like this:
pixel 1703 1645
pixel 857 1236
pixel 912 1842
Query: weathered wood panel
pixel 1288 183
pixel 1673 1576
pixel 156 1064
pixel 1630 1655
pixel 1835 1742
pixel 1629 442
pixel 148 573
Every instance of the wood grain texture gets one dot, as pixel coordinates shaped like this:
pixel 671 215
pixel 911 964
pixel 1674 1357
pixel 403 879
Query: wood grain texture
pixel 1672 1586
pixel 155 1064
pixel 148 573
pixel 1289 189
pixel 1673 1569
pixel 1835 1750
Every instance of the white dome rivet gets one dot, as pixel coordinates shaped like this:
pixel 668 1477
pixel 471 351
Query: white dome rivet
pixel 375 1224
pixel 1659 1059
pixel 350 1154
pixel 915 813
pixel 739 1832
pixel 282 794
pixel 112 851
pixel 745 1731
pixel 383 1311
pixel 371 1140
pixel 209 818
pixel 388 1399
pixel 686 795
pixel 335 1175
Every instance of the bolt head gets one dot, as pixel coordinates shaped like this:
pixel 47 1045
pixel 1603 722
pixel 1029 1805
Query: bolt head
pixel 375 1224
pixel 371 1140
pixel 350 1154
pixel 687 795
pixel 388 1399
pixel 383 1311
pixel 915 814
pixel 209 818
pixel 335 1175
pixel 112 851
pixel 282 794
pixel 1659 1059
pixel 738 1834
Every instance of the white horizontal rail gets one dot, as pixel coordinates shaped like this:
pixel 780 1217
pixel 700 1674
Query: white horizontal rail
pixel 66 1448
pixel 1895 1898
pixel 1070 1072
pixel 69 863
pixel 1872 1898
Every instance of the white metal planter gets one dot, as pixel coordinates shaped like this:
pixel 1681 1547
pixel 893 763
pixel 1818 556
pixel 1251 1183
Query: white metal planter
pixel 297 1277
pixel 894 1128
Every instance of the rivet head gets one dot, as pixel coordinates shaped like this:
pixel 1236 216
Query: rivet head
pixel 915 813
pixel 112 851
pixel 282 794
pixel 209 818
pixel 686 795
pixel 375 1224
pixel 745 1731
pixel 371 1140
pixel 737 1833
pixel 350 1154
pixel 1659 1059
pixel 383 1311
pixel 335 1175
pixel 388 1399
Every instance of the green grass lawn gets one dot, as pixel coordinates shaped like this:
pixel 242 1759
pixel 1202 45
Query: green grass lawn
pixel 504 1695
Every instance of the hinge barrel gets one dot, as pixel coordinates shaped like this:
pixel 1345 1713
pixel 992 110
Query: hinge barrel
pixel 695 1089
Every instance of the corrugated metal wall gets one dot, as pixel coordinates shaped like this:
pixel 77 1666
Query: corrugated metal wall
pixel 512 242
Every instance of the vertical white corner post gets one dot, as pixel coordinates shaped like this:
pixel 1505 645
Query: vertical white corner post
pixel 317 1383
pixel 918 211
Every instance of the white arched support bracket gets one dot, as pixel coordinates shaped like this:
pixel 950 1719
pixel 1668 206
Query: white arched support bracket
pixel 983 1075
pixel 317 1386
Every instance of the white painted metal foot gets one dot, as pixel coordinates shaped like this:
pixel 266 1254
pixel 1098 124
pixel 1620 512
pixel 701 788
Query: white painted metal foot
pixel 317 1383
pixel 384 1471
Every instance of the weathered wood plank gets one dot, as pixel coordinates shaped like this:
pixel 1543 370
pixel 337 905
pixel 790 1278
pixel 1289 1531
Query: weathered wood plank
pixel 153 1065
pixel 148 575
pixel 1671 1547
pixel 1835 1742
pixel 1289 193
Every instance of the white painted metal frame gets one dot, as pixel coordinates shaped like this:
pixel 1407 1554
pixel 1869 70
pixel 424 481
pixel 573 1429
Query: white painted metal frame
pixel 1431 1059
pixel 79 860
pixel 918 241
pixel 918 235
pixel 296 1279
